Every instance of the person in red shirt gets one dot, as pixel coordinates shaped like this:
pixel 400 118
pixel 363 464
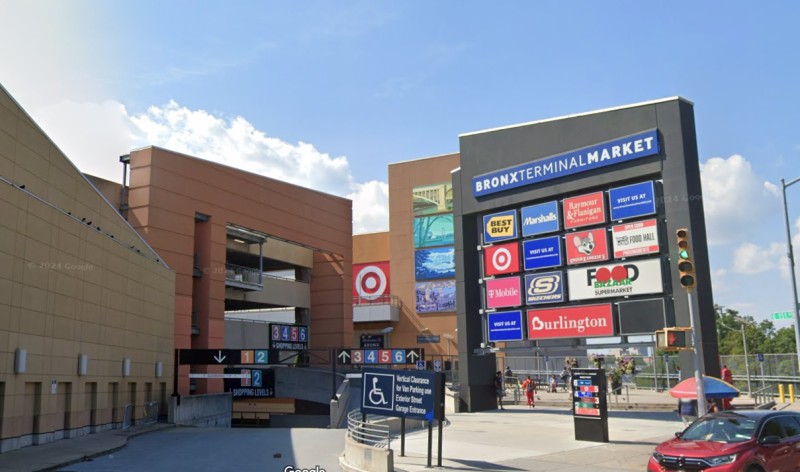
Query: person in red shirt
pixel 728 377
pixel 529 387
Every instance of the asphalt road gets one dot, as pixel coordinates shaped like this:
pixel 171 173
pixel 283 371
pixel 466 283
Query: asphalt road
pixel 215 449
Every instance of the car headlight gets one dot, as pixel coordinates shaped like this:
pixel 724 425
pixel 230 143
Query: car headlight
pixel 657 456
pixel 719 460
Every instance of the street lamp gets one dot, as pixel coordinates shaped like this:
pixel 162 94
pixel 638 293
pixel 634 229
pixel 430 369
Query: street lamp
pixel 449 338
pixel 746 361
pixel 385 332
pixel 790 254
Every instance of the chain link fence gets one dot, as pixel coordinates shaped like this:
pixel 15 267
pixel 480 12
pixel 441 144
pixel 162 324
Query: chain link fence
pixel 664 372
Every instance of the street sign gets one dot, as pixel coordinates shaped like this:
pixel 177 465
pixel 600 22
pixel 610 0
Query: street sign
pixel 228 356
pixel 784 315
pixel 437 365
pixel 219 376
pixel 371 341
pixel 287 337
pixel 403 393
pixel 420 365
pixel 258 383
pixel 760 357
pixel 379 356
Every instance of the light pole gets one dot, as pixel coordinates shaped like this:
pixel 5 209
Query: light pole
pixel 449 338
pixel 746 361
pixel 385 332
pixel 790 254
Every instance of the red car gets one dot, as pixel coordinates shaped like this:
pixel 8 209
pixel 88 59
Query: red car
pixel 733 441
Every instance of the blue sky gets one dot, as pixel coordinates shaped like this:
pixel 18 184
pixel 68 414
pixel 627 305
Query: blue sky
pixel 327 94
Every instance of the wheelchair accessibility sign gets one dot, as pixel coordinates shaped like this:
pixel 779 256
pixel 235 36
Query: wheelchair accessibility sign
pixel 403 393
pixel 378 391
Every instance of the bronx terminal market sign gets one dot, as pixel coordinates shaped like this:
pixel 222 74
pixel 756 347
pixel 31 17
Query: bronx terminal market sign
pixel 580 160
pixel 402 393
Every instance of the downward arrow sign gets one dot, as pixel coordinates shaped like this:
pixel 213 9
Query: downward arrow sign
pixel 219 357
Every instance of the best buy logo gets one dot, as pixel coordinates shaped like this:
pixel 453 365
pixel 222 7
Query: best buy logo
pixel 499 226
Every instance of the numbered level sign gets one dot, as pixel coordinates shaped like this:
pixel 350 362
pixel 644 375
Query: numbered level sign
pixel 286 337
pixel 379 356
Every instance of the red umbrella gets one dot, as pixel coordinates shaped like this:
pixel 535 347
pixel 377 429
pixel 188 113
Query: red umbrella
pixel 713 387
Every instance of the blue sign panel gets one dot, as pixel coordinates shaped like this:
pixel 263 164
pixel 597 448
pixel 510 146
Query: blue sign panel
pixel 500 226
pixel 401 393
pixel 540 219
pixel 505 326
pixel 545 287
pixel 632 201
pixel 540 253
pixel 580 160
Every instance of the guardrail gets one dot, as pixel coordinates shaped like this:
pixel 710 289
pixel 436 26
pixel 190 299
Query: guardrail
pixel 364 432
pixel 764 395
pixel 150 412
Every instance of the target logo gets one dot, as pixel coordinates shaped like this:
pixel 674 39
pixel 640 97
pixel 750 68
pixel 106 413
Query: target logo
pixel 501 259
pixel 371 281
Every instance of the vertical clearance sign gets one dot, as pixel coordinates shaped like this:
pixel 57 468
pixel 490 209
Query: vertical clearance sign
pixel 403 393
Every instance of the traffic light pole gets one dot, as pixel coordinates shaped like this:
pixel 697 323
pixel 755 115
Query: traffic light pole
pixel 698 374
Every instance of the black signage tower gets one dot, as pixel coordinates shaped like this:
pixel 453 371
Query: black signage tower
pixel 590 405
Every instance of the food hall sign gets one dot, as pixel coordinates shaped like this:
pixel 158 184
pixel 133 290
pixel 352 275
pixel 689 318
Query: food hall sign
pixel 580 160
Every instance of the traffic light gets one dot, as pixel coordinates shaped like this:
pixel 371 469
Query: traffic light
pixel 675 339
pixel 685 264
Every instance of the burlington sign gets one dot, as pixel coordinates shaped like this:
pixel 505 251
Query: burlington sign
pixel 570 322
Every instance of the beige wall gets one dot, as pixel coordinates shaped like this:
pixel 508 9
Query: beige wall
pixel 68 289
pixel 403 177
pixel 371 247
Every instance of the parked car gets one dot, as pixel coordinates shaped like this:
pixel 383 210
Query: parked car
pixel 738 440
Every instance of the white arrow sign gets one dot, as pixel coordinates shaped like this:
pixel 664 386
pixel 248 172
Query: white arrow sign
pixel 219 357
pixel 219 376
pixel 344 355
pixel 412 355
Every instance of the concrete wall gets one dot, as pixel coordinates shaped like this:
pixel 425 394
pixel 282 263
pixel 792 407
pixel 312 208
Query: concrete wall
pixel 75 280
pixel 358 457
pixel 213 410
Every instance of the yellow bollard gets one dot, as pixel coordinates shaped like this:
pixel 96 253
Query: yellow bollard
pixel 780 393
pixel 791 393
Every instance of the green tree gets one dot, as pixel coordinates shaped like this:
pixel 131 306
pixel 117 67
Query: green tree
pixel 761 337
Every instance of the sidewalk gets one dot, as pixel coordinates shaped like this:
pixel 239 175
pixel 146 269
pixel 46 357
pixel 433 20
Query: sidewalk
pixel 58 454
pixel 639 419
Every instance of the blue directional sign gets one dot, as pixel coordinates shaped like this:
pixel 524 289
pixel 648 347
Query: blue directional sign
pixel 505 326
pixel 402 393
pixel 632 201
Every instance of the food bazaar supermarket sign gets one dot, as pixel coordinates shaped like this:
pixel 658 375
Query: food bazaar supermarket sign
pixel 581 160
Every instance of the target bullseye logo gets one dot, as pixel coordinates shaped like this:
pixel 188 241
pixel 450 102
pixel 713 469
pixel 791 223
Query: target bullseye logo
pixel 501 259
pixel 371 280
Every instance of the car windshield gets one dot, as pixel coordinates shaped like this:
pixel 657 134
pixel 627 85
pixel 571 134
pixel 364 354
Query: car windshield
pixel 728 429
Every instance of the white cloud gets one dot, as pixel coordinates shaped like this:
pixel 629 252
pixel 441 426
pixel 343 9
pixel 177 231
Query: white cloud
pixel 370 203
pixel 750 258
pixel 94 135
pixel 735 199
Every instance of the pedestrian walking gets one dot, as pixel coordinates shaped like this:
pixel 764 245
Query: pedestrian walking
pixel 529 386
pixel 499 388
pixel 727 376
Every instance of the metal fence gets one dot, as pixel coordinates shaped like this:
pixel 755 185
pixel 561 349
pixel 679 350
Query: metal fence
pixel 366 432
pixel 664 372
pixel 150 412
